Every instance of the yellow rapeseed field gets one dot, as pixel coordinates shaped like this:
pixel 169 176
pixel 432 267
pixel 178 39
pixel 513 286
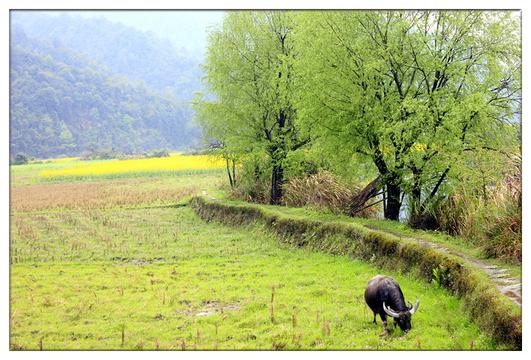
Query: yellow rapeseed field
pixel 175 162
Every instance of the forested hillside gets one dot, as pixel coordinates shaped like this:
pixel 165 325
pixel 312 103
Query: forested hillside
pixel 123 50
pixel 65 101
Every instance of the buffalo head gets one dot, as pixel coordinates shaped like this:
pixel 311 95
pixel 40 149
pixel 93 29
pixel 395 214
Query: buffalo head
pixel 402 318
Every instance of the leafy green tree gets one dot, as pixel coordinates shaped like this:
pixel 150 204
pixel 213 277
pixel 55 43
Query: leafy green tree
pixel 410 91
pixel 249 71
pixel 218 136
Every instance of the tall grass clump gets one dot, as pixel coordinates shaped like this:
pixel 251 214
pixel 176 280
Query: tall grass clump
pixel 492 220
pixel 323 190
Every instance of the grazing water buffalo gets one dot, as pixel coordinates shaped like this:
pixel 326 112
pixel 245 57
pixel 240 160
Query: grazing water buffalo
pixel 384 297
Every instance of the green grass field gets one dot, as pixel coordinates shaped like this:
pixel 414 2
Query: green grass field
pixel 148 273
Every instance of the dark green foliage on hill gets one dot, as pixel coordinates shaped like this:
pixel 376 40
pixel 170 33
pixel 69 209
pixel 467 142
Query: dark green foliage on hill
pixel 63 103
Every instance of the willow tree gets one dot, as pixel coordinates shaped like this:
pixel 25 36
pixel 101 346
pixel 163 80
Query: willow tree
pixel 249 71
pixel 212 117
pixel 411 91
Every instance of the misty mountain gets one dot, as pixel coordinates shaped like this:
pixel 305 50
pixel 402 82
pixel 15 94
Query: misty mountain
pixel 123 50
pixel 64 102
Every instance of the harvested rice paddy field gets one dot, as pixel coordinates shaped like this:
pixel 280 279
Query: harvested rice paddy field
pixel 117 260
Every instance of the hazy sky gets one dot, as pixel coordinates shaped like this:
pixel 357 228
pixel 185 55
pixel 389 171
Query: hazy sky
pixel 183 28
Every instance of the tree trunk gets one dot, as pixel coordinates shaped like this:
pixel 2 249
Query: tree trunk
pixel 277 178
pixel 391 182
pixel 358 201
pixel 278 152
pixel 392 208
pixel 415 206
pixel 436 188
pixel 229 174
pixel 416 194
pixel 234 172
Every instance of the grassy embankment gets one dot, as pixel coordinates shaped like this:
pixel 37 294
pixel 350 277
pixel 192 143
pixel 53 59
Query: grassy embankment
pixel 493 311
pixel 120 264
pixel 393 227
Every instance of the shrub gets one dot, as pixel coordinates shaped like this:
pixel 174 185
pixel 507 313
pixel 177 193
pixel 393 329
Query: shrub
pixel 253 183
pixel 157 154
pixel 102 154
pixel 503 235
pixel 20 159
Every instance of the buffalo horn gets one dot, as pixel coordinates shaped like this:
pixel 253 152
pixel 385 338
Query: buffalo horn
pixel 390 312
pixel 414 309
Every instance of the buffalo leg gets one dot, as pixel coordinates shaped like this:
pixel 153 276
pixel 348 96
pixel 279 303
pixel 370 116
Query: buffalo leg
pixel 385 331
pixel 384 320
pixel 374 319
